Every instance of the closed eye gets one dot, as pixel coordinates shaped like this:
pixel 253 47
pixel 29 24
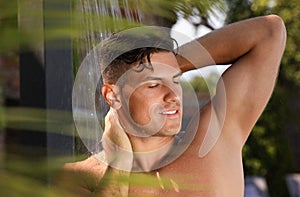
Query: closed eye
pixel 176 78
pixel 153 85
pixel 153 82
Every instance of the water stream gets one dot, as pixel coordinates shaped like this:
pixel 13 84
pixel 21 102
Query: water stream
pixel 95 20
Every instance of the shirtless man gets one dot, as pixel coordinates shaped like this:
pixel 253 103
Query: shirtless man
pixel 254 47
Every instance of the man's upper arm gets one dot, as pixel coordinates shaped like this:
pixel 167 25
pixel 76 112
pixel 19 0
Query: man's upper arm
pixel 246 86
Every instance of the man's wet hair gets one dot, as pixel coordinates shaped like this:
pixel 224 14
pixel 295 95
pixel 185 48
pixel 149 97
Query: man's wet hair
pixel 125 50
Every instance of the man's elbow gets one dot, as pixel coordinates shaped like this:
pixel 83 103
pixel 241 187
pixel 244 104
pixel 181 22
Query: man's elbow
pixel 277 28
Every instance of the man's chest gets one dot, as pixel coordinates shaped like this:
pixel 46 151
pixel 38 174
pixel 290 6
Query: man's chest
pixel 214 175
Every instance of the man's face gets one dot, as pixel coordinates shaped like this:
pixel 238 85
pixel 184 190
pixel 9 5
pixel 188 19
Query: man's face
pixel 152 99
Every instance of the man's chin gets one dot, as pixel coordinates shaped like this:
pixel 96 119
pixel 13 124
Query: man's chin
pixel 169 131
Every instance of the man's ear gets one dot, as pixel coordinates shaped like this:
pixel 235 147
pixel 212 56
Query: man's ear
pixel 110 95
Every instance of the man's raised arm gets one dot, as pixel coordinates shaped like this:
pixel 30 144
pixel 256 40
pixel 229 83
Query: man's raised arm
pixel 254 47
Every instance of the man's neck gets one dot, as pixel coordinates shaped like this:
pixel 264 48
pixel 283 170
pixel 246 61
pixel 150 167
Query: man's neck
pixel 147 144
pixel 149 153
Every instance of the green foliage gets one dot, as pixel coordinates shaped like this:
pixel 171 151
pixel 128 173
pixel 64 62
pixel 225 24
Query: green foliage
pixel 2 121
pixel 26 177
pixel 266 152
pixel 188 8
pixel 199 85
pixel 290 13
pixel 204 86
pixel 21 22
pixel 8 25
pixel 243 9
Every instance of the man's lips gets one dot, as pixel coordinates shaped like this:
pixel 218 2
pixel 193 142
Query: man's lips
pixel 170 112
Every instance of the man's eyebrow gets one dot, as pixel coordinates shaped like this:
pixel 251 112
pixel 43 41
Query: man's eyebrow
pixel 177 75
pixel 149 78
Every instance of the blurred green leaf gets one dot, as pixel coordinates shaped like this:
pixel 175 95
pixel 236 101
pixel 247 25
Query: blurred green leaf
pixel 21 22
pixel 27 177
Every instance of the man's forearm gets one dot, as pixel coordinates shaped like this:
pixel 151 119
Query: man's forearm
pixel 225 45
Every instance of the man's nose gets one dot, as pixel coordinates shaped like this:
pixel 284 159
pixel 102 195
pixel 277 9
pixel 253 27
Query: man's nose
pixel 171 95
